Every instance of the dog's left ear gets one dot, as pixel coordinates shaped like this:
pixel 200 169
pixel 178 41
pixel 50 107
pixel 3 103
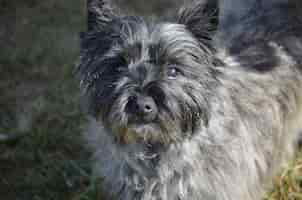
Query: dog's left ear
pixel 99 14
pixel 201 18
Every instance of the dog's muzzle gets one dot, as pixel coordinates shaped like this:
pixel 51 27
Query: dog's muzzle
pixel 142 108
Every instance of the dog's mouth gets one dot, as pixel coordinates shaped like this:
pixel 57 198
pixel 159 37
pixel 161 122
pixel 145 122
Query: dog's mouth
pixel 130 127
pixel 139 133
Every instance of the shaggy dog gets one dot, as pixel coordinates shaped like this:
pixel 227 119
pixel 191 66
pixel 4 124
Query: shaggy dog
pixel 183 110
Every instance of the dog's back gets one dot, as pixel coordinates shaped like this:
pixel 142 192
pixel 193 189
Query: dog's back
pixel 262 49
pixel 267 37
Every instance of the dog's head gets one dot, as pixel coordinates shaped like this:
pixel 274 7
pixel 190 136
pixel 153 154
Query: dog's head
pixel 149 82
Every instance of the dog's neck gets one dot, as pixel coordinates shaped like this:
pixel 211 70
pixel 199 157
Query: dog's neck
pixel 144 156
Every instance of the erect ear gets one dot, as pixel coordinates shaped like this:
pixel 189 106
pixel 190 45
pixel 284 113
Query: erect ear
pixel 200 18
pixel 99 13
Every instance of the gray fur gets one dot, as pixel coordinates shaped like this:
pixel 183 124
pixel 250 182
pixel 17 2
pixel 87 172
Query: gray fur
pixel 227 123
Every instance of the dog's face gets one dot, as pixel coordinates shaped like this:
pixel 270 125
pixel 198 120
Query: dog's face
pixel 145 82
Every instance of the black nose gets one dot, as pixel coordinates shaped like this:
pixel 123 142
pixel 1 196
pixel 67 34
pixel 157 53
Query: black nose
pixel 144 108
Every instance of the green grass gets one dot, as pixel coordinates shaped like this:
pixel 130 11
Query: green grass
pixel 288 185
pixel 39 103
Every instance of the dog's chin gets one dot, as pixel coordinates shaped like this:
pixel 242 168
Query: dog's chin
pixel 148 133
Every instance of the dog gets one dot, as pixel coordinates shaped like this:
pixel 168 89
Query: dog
pixel 189 109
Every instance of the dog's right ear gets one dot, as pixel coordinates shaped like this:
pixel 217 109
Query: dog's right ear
pixel 99 14
pixel 201 17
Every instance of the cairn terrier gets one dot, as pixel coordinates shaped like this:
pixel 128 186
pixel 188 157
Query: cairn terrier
pixel 189 109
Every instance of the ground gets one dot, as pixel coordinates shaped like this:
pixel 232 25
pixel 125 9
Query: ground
pixel 45 159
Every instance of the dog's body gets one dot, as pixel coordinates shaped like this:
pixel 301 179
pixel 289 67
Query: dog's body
pixel 183 116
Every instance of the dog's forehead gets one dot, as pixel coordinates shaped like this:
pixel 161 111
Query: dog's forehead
pixel 159 43
pixel 169 32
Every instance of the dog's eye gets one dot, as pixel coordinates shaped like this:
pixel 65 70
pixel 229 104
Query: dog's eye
pixel 173 72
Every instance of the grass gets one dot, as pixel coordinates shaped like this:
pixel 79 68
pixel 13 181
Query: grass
pixel 288 185
pixel 40 102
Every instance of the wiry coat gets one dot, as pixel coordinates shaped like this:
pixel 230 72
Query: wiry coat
pixel 227 122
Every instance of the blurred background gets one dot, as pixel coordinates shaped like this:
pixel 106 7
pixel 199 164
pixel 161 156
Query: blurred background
pixel 42 156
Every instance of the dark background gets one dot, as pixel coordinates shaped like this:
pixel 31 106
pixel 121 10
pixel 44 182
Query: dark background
pixel 41 151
